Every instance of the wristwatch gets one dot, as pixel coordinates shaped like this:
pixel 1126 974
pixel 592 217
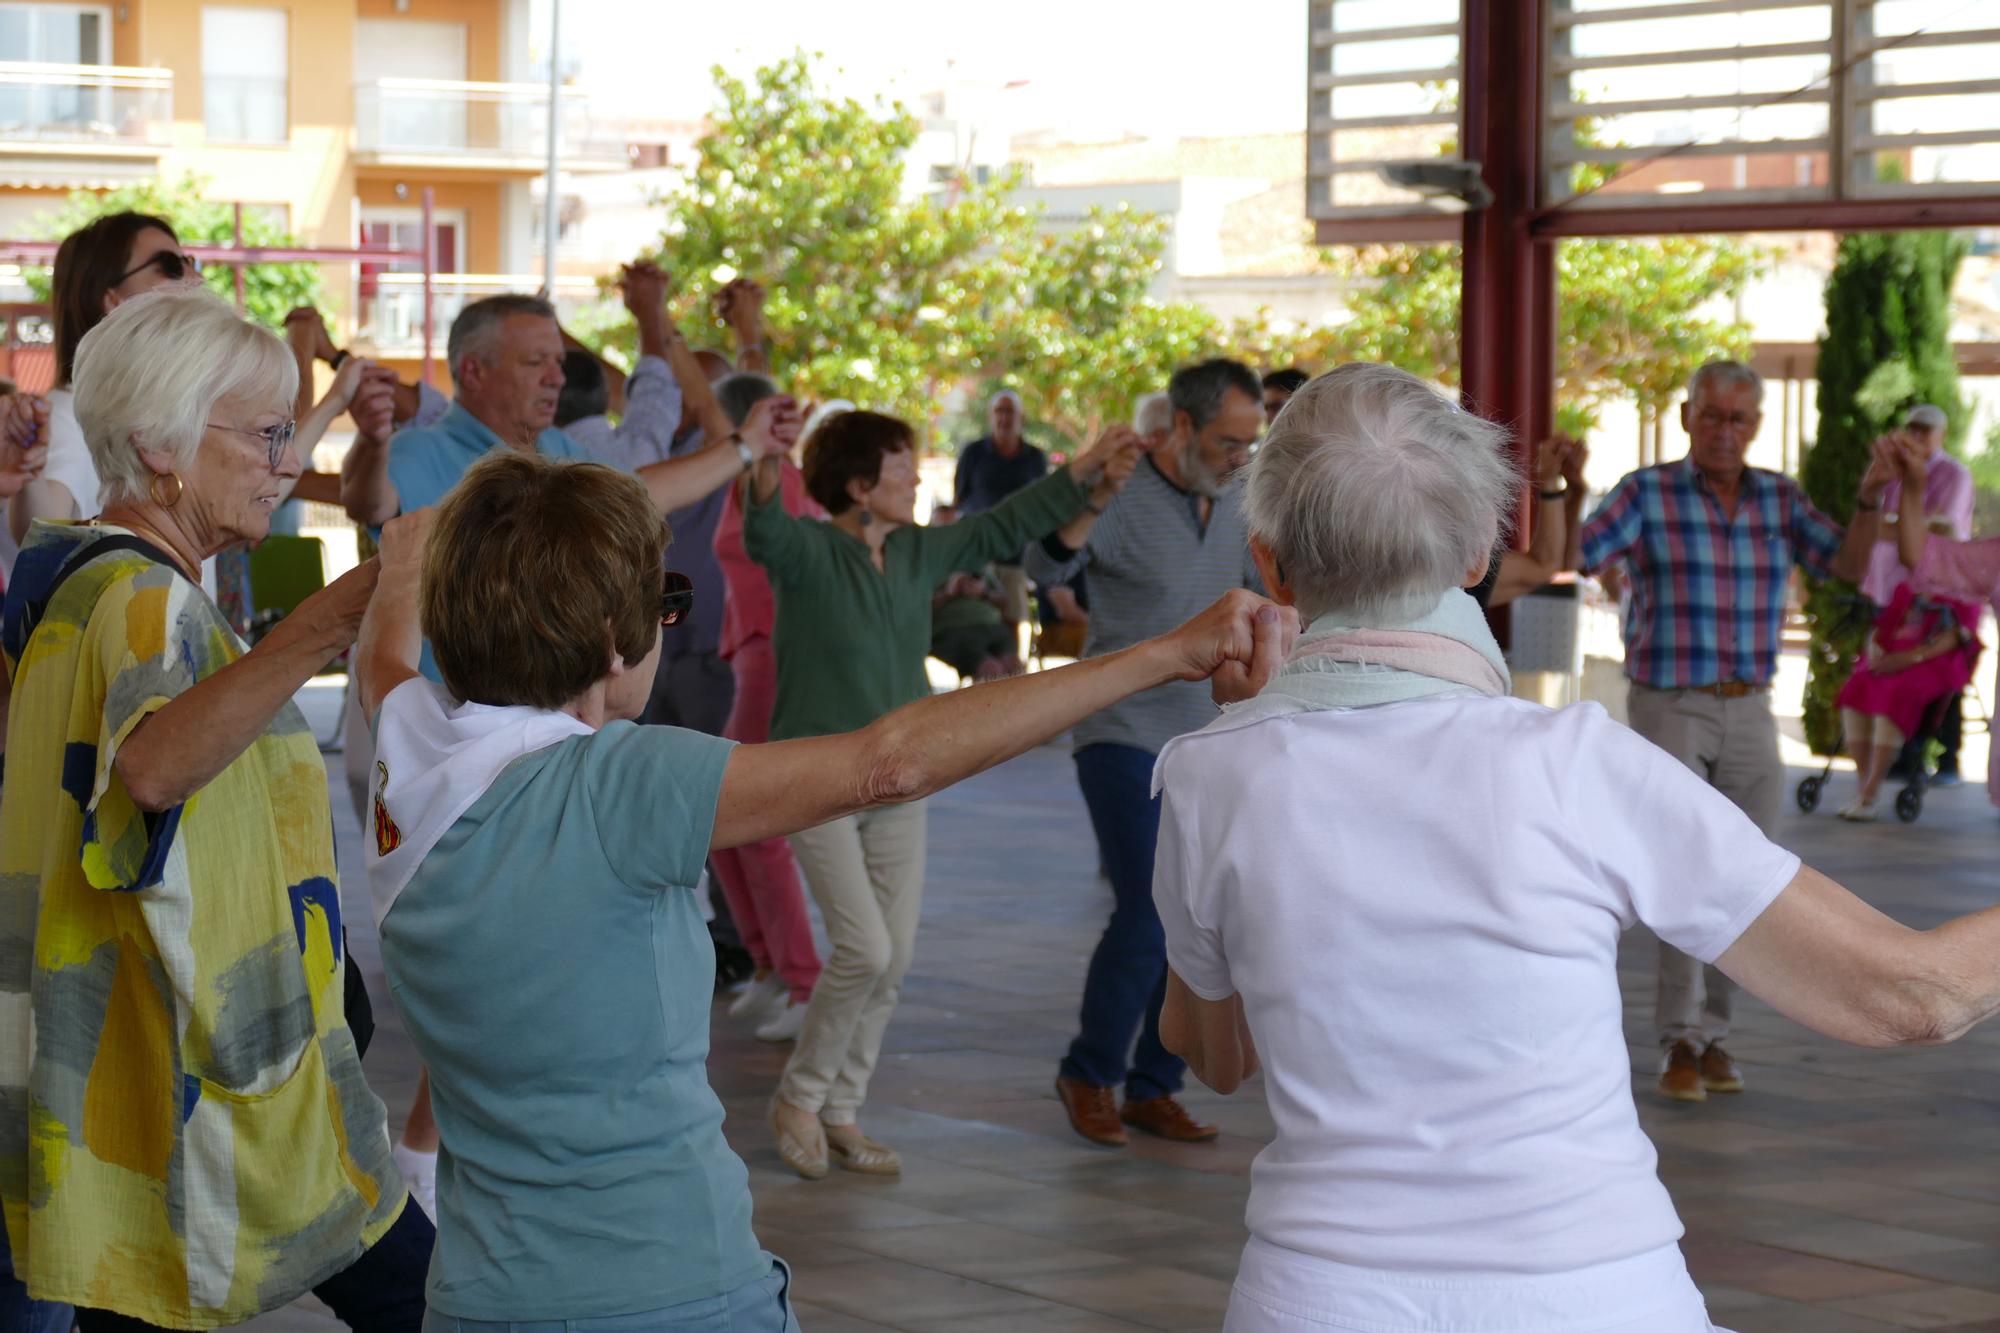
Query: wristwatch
pixel 744 451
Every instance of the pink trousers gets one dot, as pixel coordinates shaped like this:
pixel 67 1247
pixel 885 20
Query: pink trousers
pixel 761 880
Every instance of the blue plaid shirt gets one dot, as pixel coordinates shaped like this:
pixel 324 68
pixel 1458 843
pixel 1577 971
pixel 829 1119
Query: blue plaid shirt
pixel 1708 591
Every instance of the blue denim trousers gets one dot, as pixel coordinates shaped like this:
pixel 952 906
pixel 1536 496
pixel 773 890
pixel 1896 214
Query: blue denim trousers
pixel 18 1314
pixel 763 1306
pixel 1127 980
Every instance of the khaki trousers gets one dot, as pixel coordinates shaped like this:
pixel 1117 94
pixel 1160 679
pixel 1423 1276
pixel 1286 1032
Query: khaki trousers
pixel 866 872
pixel 1015 586
pixel 1731 744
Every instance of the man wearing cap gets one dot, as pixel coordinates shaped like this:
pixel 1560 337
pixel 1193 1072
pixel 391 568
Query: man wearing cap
pixel 1948 496
pixel 992 468
pixel 1709 544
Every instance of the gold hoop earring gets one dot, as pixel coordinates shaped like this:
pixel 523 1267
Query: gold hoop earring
pixel 153 489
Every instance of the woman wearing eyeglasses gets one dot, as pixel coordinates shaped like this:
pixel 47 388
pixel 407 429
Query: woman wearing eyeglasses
pixel 193 1142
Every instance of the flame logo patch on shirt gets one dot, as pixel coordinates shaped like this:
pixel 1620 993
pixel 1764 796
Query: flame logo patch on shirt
pixel 387 836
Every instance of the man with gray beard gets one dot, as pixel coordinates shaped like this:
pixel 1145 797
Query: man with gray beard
pixel 1168 544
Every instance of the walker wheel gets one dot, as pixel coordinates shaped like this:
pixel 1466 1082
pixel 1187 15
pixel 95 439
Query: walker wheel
pixel 1808 794
pixel 1909 804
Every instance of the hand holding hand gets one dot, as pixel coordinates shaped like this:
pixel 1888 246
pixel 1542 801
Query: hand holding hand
pixel 340 605
pixel 1574 460
pixel 646 288
pixel 1885 464
pixel 24 449
pixel 1089 466
pixel 773 426
pixel 1235 643
pixel 746 307
pixel 373 405
pixel 1552 460
pixel 401 550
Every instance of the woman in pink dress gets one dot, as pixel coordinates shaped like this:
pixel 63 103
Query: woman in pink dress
pixel 1922 650
pixel 761 881
pixel 1940 566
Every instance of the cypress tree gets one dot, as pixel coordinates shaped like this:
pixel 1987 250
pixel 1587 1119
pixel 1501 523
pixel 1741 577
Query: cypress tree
pixel 1887 347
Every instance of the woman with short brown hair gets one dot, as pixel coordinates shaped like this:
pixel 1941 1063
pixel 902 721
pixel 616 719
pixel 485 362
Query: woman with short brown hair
pixel 853 628
pixel 531 871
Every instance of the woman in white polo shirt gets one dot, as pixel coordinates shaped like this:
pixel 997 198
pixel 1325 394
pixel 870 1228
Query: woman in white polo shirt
pixel 1405 890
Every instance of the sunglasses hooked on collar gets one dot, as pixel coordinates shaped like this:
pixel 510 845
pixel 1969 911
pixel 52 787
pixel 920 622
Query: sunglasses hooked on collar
pixel 676 598
pixel 173 265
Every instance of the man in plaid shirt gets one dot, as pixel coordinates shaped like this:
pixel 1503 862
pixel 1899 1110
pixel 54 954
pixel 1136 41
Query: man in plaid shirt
pixel 1709 544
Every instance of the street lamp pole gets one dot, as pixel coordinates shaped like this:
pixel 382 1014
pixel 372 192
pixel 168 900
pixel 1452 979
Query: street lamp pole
pixel 550 196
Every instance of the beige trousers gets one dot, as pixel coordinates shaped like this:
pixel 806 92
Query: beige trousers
pixel 866 873
pixel 1731 744
pixel 1015 586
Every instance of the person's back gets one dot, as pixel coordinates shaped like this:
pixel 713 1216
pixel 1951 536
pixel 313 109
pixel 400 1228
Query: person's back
pixel 540 915
pixel 1422 905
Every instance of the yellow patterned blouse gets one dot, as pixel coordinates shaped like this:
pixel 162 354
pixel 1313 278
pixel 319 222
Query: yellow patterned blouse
pixel 185 1134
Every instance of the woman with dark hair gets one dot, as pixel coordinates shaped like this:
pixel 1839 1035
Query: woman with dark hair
pixel 853 626
pixel 98 268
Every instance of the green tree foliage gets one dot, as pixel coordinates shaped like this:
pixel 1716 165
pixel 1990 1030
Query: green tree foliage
pixel 1632 314
pixel 269 290
pixel 1886 347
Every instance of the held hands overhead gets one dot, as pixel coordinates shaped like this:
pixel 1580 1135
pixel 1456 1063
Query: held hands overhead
pixel 24 441
pixel 772 427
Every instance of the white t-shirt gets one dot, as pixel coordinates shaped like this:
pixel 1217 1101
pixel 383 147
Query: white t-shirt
pixel 1421 904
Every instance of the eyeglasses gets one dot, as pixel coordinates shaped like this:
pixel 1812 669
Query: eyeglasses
pixel 676 598
pixel 173 266
pixel 276 438
pixel 1716 419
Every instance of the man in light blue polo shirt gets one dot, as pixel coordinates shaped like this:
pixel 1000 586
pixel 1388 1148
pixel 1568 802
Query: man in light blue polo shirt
pixel 506 355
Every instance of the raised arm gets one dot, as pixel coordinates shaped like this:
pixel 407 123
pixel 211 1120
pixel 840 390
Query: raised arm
pixel 741 305
pixel 1074 494
pixel 183 746
pixel 1522 572
pixel 366 491
pixel 922 747
pixel 770 430
pixel 1821 956
pixel 392 638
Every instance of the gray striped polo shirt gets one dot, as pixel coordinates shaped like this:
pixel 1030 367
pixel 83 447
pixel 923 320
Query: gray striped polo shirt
pixel 1152 568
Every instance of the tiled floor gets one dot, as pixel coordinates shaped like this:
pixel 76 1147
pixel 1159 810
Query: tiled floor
pixel 1846 1191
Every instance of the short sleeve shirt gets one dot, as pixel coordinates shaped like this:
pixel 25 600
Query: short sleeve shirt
pixel 1431 977
pixel 183 1088
pixel 553 968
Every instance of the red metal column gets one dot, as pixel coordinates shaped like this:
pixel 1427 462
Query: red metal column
pixel 1507 322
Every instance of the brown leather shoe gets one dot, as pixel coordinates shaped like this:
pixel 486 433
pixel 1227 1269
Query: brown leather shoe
pixel 1681 1080
pixel 1718 1072
pixel 1093 1112
pixel 1167 1118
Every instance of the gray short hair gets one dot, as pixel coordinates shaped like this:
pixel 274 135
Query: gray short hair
pixel 473 332
pixel 1377 493
pixel 1153 413
pixel 1724 372
pixel 740 392
pixel 152 372
pixel 1199 389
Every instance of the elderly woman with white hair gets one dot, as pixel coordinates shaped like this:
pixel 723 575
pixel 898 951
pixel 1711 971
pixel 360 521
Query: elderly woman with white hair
pixel 186 1139
pixel 1424 956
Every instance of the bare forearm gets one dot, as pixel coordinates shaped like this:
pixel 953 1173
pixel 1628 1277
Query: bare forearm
pixel 317 487
pixel 391 642
pixel 697 394
pixel 1573 529
pixel 1850 562
pixel 1551 536
pixel 183 746
pixel 678 482
pixel 1912 532
pixel 934 742
pixel 365 489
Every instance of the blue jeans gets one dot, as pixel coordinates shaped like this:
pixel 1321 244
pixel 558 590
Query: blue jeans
pixel 18 1314
pixel 381 1292
pixel 763 1306
pixel 1127 980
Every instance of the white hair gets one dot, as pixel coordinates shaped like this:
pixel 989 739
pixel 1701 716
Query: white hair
pixel 1153 413
pixel 1725 372
pixel 1003 395
pixel 1377 494
pixel 824 413
pixel 152 372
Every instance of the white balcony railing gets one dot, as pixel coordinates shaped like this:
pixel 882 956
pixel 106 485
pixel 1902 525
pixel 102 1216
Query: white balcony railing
pixel 85 105
pixel 476 122
pixel 391 305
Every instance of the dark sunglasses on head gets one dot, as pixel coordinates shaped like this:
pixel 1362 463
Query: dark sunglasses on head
pixel 676 598
pixel 173 266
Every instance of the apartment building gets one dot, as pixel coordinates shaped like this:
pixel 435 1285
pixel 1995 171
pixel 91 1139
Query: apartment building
pixel 333 116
